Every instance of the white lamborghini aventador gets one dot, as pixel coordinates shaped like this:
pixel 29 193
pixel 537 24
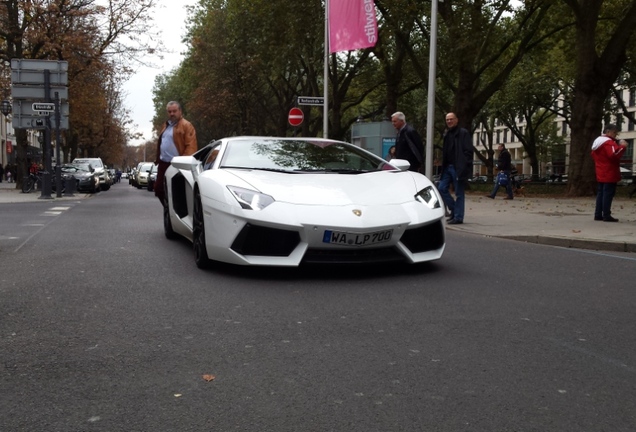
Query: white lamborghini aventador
pixel 286 201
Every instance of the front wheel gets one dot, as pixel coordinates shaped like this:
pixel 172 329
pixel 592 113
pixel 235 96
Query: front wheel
pixel 198 235
pixel 28 185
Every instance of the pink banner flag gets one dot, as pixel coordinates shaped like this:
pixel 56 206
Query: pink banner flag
pixel 352 25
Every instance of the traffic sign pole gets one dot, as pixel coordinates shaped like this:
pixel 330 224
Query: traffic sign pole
pixel 58 144
pixel 46 175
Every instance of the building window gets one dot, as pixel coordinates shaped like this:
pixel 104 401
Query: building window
pixel 630 125
pixel 628 156
pixel 564 128
pixel 632 97
pixel 498 136
pixel 619 121
pixel 505 136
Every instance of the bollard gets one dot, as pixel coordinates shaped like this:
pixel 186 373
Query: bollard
pixel 69 186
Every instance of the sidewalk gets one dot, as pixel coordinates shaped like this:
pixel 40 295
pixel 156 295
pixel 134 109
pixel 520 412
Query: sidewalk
pixel 566 222
pixel 9 194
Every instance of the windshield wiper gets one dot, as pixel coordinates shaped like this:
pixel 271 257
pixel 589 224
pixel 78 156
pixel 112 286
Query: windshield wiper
pixel 278 170
pixel 335 170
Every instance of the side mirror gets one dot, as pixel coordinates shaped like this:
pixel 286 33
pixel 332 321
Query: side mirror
pixel 401 164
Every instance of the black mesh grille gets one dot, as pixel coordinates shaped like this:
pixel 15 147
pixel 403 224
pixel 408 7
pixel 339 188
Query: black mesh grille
pixel 352 256
pixel 255 240
pixel 425 238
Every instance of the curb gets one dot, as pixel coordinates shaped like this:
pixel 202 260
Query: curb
pixel 560 241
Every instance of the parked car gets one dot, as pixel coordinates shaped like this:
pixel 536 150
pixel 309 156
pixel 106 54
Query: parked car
pixel 152 177
pixel 132 177
pixel 478 179
pixel 286 201
pixel 86 179
pixel 142 174
pixel 100 169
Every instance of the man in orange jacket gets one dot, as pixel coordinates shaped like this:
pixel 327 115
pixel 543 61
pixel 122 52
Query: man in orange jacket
pixel 607 152
pixel 178 138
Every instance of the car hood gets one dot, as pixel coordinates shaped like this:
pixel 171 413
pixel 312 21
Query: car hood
pixel 383 187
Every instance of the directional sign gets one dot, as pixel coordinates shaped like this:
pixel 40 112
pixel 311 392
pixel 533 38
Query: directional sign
pixel 37 77
pixel 306 100
pixel 43 107
pixel 296 116
pixel 35 122
pixel 31 64
pixel 27 108
pixel 35 92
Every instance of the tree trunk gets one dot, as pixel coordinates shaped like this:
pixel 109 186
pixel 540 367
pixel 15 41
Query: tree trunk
pixel 587 118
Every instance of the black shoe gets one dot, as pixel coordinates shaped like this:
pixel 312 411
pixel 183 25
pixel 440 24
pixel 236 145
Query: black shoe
pixel 490 196
pixel 455 222
pixel 450 218
pixel 508 198
pixel 598 218
pixel 610 219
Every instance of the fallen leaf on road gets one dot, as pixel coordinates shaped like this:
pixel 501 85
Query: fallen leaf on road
pixel 177 395
pixel 208 377
pixel 576 231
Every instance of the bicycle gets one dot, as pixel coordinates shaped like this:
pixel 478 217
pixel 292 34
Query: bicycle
pixel 30 183
pixel 35 179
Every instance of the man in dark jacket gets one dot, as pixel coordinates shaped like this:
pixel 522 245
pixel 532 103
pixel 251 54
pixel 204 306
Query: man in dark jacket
pixel 504 164
pixel 457 165
pixel 408 144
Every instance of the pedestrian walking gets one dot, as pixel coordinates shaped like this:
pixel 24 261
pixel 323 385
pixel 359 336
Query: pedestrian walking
pixel 408 143
pixel 457 165
pixel 504 165
pixel 607 151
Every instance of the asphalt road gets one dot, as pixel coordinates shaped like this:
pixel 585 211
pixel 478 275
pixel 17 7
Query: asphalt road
pixel 105 325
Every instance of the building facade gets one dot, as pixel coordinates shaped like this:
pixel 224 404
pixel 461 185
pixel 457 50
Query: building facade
pixel 557 163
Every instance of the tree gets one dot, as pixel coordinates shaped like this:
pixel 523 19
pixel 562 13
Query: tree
pixel 605 30
pixel 87 35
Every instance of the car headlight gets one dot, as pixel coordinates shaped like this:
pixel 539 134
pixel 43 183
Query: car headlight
pixel 249 199
pixel 429 197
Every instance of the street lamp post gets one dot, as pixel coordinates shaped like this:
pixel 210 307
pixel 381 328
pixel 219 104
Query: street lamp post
pixel 5 109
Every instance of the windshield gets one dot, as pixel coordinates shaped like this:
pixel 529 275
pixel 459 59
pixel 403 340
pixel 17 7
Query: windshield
pixel 300 156
pixel 96 163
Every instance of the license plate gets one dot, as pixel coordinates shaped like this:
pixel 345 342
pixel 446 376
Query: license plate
pixel 356 239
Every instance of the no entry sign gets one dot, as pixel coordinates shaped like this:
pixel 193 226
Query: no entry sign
pixel 296 116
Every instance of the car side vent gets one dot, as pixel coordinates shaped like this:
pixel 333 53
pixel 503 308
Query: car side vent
pixel 262 241
pixel 179 202
pixel 424 238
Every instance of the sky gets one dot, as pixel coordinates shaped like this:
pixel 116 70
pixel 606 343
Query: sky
pixel 169 18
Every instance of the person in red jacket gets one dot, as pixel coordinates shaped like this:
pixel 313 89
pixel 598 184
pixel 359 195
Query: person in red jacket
pixel 607 152
pixel 177 138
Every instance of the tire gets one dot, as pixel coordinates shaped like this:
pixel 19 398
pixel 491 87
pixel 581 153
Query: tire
pixel 28 185
pixel 167 224
pixel 198 235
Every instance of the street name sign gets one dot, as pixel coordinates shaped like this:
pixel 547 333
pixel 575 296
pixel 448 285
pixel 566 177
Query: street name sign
pixel 29 108
pixel 43 107
pixel 307 100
